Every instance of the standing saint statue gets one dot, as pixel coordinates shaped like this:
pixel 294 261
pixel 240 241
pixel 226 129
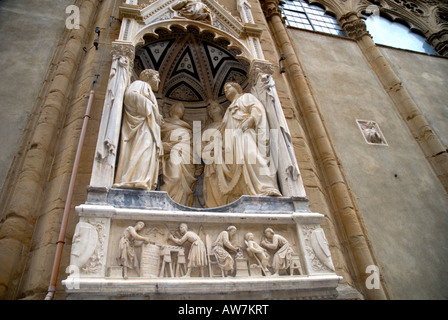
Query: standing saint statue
pixel 178 168
pixel 127 256
pixel 141 145
pixel 211 155
pixel 245 168
pixel 197 257
pixel 282 250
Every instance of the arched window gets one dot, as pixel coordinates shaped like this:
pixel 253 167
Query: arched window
pixel 300 14
pixel 397 35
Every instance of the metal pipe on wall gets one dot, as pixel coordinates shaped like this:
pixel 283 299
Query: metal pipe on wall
pixel 68 204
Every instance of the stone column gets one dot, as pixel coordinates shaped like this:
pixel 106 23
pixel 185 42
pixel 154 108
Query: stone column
pixel 108 138
pixel 337 186
pixel 433 149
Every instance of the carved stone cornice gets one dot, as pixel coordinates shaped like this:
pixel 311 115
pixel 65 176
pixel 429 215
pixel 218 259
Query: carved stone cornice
pixel 131 11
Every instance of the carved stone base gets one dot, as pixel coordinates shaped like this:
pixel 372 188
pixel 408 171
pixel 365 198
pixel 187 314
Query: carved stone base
pixel 308 287
pixel 149 246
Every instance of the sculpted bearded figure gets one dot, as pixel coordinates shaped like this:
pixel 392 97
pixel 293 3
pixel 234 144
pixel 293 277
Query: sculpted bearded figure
pixel 197 257
pixel 222 248
pixel 245 165
pixel 282 250
pixel 193 9
pixel 141 145
pixel 178 168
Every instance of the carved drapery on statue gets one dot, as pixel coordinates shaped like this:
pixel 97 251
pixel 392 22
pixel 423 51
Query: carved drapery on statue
pixel 244 169
pixel 212 150
pixel 141 145
pixel 178 168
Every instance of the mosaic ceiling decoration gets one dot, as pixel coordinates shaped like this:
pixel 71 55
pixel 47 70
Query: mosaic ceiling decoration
pixel 193 67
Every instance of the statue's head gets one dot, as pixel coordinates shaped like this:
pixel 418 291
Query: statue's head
pixel 231 230
pixel 183 228
pixel 232 89
pixel 269 233
pixel 177 110
pixel 215 111
pixel 151 77
pixel 139 225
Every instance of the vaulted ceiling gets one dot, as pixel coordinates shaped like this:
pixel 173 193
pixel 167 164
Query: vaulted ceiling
pixel 193 66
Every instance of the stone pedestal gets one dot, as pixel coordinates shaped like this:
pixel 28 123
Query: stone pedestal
pixel 307 270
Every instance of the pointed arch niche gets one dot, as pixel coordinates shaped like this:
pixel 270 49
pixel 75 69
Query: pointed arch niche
pixel 194 59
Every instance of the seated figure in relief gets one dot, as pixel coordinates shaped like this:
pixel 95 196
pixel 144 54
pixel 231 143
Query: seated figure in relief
pixel 244 168
pixel 282 250
pixel 222 248
pixel 178 170
pixel 141 145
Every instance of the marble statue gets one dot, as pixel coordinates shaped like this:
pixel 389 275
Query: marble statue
pixel 141 145
pixel 260 254
pixel 178 168
pixel 197 257
pixel 245 167
pixel 127 255
pixel 281 248
pixel 211 155
pixel 193 9
pixel 221 249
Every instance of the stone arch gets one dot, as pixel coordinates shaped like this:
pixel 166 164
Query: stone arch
pixel 194 62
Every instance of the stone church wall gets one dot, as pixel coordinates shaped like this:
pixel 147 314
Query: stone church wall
pixel 402 203
pixel 30 32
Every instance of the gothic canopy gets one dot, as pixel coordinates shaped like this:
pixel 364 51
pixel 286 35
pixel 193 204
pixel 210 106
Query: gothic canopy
pixel 193 66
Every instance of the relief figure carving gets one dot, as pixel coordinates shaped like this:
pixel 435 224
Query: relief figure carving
pixel 197 257
pixel 194 10
pixel 222 248
pixel 282 250
pixel 257 252
pixel 127 255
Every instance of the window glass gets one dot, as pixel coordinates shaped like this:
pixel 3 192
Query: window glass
pixel 397 35
pixel 300 14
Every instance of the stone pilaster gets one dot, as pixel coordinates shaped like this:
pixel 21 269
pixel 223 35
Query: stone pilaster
pixel 105 157
pixel 344 203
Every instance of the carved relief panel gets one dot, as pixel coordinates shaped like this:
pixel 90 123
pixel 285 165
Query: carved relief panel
pixel 183 250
